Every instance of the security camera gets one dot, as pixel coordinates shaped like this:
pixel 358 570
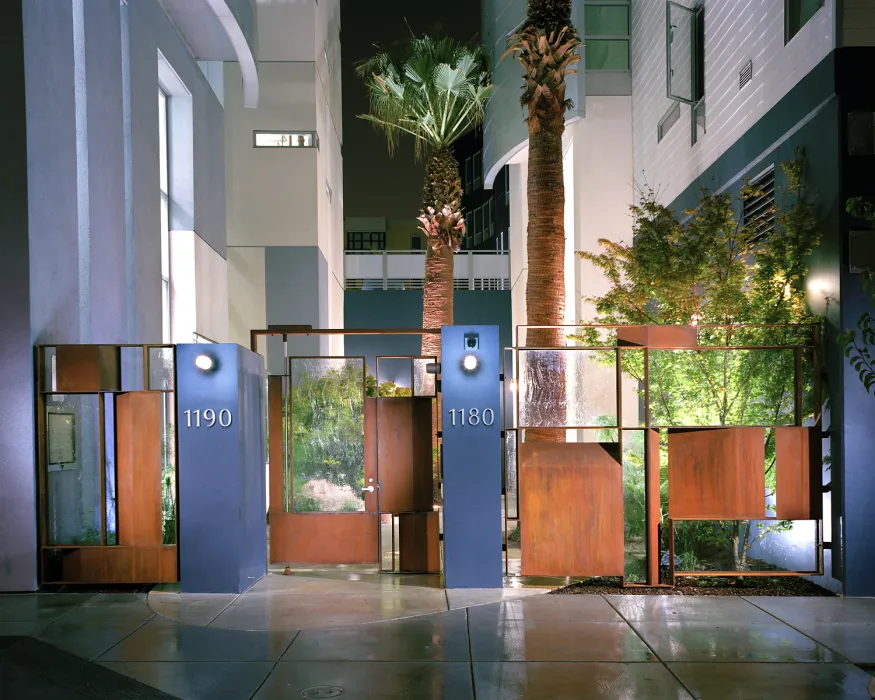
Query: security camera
pixel 472 341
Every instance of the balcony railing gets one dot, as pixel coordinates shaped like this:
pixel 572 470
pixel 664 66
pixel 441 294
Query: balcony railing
pixel 405 270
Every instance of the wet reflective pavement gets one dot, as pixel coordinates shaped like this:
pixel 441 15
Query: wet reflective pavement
pixel 479 644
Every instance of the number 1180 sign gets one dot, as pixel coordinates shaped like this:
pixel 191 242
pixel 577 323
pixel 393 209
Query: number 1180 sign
pixel 471 416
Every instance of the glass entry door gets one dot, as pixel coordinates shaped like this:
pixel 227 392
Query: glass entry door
pixel 324 484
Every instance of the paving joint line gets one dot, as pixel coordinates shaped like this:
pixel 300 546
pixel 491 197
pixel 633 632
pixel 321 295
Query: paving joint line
pixel 275 664
pixel 470 655
pixel 793 627
pixel 653 651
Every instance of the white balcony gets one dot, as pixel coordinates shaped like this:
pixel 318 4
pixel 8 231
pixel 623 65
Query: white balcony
pixel 405 269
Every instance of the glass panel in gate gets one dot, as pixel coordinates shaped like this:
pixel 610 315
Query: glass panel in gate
pixel 328 436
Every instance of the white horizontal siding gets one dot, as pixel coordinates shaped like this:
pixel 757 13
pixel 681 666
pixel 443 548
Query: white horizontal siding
pixel 736 31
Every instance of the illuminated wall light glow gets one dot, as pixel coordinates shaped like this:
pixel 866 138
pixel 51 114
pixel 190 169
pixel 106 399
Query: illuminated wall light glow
pixel 204 362
pixel 469 363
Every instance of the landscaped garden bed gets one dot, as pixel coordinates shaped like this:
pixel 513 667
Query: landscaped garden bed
pixel 704 585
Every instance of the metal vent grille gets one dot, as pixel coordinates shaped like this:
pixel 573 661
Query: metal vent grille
pixel 759 209
pixel 745 75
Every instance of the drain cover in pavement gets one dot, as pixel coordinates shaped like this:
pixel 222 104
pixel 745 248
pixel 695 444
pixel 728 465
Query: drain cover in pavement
pixel 322 691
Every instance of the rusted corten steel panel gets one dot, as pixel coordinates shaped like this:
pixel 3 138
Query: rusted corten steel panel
pixel 798 473
pixel 324 538
pixel 658 336
pixel 571 510
pixel 404 431
pixel 139 437
pixel 716 474
pixel 419 542
pixel 276 444
pixel 118 564
pixel 87 368
pixel 652 494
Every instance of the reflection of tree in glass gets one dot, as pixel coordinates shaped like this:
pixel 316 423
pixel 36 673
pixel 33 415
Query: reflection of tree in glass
pixel 328 425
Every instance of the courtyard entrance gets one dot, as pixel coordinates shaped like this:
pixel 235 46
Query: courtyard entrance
pixel 665 452
pixel 352 455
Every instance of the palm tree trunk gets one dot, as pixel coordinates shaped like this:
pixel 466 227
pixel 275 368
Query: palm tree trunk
pixel 545 288
pixel 442 223
pixel 437 295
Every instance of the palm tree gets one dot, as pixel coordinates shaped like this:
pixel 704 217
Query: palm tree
pixel 435 93
pixel 546 46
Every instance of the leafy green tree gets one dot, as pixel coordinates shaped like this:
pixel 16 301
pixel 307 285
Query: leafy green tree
pixel 860 349
pixel 434 92
pixel 712 268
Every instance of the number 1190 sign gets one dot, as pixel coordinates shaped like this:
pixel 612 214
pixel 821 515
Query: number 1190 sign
pixel 471 416
pixel 208 418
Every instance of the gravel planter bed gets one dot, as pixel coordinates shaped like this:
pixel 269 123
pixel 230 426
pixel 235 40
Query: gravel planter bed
pixel 750 586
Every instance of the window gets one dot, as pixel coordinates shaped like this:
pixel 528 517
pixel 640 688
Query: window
pixel 471 224
pixel 797 13
pixel 668 121
pixel 506 186
pixel 366 240
pixel 697 121
pixel 164 189
pixel 478 170
pixel 861 133
pixel 759 209
pixel 285 139
pixel 415 243
pixel 685 52
pixel 469 175
pixel 606 36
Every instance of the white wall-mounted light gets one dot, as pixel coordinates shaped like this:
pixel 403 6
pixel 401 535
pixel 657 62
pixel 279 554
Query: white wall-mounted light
pixel 204 362
pixel 469 363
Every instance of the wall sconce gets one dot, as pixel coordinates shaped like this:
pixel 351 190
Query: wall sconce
pixel 204 363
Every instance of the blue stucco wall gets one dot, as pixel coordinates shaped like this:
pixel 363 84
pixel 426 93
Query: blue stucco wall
pixel 296 291
pixel 222 501
pixel 397 309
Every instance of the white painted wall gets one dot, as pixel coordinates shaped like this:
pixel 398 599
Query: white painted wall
pixel 736 31
pixel 211 279
pixel 519 222
pixel 247 305
pixel 198 289
pixel 285 30
pixel 272 193
pixel 603 191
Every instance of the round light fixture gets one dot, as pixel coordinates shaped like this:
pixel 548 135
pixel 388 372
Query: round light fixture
pixel 469 363
pixel 204 362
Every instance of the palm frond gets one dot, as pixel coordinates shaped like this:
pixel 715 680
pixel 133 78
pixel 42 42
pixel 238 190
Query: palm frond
pixel 435 92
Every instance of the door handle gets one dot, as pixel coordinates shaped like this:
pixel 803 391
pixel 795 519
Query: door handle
pixel 369 489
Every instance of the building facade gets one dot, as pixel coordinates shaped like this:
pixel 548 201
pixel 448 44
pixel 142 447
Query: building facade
pixel 176 177
pixel 680 96
pixel 284 178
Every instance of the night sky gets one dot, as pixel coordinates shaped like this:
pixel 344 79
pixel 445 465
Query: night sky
pixel 373 183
